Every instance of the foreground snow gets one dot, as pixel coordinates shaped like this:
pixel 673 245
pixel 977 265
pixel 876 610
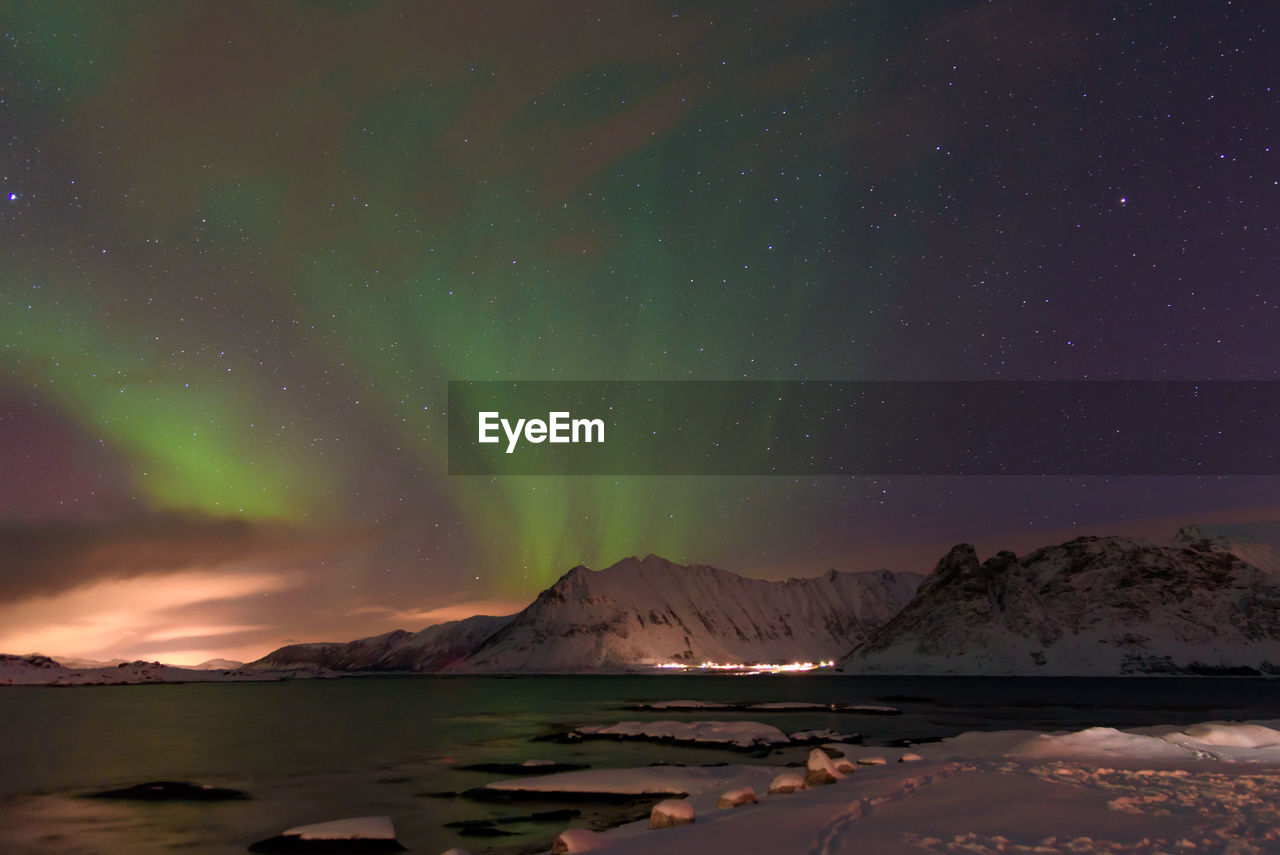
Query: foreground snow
pixel 1208 788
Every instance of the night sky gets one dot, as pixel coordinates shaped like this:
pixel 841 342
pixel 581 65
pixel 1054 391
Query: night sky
pixel 245 246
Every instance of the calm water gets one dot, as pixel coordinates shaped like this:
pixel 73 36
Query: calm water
pixel 312 750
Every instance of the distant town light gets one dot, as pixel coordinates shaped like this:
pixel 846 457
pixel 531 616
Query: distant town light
pixel 742 668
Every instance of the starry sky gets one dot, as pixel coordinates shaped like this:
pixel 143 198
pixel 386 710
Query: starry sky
pixel 245 247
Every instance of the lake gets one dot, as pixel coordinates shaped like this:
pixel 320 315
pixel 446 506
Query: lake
pixel 313 750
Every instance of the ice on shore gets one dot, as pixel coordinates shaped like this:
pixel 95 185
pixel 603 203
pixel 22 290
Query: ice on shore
pixel 823 735
pixel 683 705
pixel 1009 791
pixel 354 828
pixel 768 706
pixel 641 781
pixel 742 734
pixel 365 833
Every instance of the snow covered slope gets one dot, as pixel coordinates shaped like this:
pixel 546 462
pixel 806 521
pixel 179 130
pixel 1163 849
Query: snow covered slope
pixel 649 611
pixel 1094 605
pixel 432 649
pixel 1257 543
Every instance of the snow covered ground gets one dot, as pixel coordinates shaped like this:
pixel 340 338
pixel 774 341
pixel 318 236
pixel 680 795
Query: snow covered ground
pixel 1213 787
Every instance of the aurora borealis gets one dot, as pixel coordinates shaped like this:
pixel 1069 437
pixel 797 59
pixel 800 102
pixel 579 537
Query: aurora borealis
pixel 246 246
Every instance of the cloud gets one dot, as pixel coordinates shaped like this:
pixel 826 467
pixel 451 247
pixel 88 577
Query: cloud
pixel 429 615
pixel 123 617
pixel 42 559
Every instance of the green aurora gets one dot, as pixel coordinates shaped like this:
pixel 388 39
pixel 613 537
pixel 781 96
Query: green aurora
pixel 247 245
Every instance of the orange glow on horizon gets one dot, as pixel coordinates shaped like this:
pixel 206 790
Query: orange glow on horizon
pixel 119 618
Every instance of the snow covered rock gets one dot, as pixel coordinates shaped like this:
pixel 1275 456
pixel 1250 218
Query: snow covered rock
pixel 820 770
pixel 455 851
pixel 871 761
pixel 736 798
pixel 683 705
pixel 671 812
pixel 356 834
pixel 910 757
pixel 843 765
pixel 575 840
pixel 1091 606
pixel 823 735
pixel 787 782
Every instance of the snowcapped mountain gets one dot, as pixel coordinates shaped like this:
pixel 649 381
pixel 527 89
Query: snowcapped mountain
pixel 218 665
pixel 1257 543
pixel 432 649
pixel 1094 605
pixel 650 611
pixel 637 612
pixel 33 670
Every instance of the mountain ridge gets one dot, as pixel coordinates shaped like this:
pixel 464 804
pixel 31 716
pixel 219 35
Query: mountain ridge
pixel 1091 606
pixel 637 613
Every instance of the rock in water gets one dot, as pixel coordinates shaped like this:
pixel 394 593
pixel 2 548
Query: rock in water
pixel 787 782
pixel 736 798
pixel 820 770
pixel 171 791
pixel 670 812
pixel 356 834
